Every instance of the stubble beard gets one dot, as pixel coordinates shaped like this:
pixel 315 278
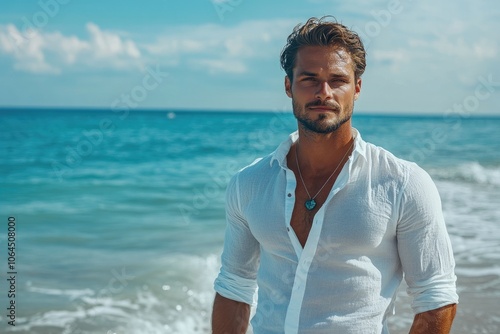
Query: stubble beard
pixel 321 125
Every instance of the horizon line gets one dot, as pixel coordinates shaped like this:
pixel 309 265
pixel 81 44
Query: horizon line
pixel 248 111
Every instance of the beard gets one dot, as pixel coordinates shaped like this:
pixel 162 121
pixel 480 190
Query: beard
pixel 322 124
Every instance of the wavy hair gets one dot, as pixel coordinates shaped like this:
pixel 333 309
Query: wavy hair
pixel 322 32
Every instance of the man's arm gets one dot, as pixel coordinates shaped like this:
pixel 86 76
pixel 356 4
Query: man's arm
pixel 426 255
pixel 436 321
pixel 229 316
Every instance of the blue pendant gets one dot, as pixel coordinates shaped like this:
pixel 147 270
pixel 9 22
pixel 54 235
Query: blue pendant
pixel 310 204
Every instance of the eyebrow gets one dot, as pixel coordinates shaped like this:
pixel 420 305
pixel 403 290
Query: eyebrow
pixel 312 74
pixel 307 74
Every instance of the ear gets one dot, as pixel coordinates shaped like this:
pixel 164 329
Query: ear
pixel 288 86
pixel 357 89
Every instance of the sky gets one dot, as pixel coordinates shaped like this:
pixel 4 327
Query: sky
pixel 431 57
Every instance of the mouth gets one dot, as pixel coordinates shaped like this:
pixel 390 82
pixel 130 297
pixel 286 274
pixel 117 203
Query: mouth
pixel 322 109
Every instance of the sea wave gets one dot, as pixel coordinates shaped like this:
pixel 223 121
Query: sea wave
pixel 181 303
pixel 470 172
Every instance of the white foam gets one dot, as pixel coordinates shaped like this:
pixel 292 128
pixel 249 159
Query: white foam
pixel 470 195
pixel 471 172
pixel 478 272
pixel 37 207
pixel 183 308
pixel 72 293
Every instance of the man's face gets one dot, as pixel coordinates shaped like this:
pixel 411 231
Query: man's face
pixel 323 89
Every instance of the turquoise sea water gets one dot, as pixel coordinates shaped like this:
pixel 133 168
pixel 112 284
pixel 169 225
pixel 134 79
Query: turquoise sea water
pixel 120 217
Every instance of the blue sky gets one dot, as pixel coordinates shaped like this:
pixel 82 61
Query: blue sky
pixel 434 57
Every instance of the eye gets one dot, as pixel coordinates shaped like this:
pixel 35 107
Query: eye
pixel 309 81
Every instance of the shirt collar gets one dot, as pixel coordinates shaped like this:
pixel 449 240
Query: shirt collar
pixel 281 152
pixel 359 145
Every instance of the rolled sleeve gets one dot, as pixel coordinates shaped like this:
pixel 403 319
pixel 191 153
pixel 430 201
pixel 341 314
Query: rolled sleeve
pixel 424 245
pixel 236 288
pixel 240 256
pixel 433 293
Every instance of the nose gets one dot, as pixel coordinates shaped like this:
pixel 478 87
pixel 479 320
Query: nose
pixel 324 91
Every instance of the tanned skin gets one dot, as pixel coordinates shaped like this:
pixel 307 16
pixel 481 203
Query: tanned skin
pixel 229 316
pixel 436 321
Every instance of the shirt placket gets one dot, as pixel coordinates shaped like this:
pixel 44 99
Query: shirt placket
pixel 305 255
pixel 291 184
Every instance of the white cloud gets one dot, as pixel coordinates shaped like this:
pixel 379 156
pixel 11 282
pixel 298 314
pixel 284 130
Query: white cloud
pixel 451 42
pixel 221 66
pixel 110 45
pixel 417 34
pixel 393 59
pixel 52 52
pixel 211 48
pixel 28 56
pixel 221 48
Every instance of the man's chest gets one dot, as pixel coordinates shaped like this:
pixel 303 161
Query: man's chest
pixel 358 216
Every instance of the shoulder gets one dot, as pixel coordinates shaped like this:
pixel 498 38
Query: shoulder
pixel 258 171
pixel 385 162
pixel 416 189
pixel 257 176
pixel 415 193
pixel 406 174
pixel 253 173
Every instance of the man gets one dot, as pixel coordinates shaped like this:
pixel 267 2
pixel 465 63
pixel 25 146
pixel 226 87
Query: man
pixel 327 224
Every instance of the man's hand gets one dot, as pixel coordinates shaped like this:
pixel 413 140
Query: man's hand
pixel 436 321
pixel 229 316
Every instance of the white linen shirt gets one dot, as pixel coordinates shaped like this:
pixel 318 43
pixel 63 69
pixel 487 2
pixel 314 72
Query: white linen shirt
pixel 381 218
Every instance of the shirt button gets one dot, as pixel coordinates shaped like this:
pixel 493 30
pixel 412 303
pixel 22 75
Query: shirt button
pixel 288 229
pixel 289 195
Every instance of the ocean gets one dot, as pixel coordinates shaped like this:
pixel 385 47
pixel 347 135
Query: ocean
pixel 119 216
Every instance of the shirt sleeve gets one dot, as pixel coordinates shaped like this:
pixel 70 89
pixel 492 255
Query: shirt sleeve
pixel 240 256
pixel 424 245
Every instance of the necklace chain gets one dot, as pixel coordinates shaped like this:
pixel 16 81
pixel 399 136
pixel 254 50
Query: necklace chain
pixel 311 203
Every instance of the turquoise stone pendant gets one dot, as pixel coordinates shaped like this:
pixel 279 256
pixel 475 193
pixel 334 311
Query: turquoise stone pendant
pixel 310 204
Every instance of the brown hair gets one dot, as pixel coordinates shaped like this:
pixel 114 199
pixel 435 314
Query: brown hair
pixel 320 32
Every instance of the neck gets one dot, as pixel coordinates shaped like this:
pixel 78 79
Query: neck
pixel 318 153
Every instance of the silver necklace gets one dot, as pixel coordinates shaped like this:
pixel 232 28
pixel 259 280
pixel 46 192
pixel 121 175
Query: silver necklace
pixel 311 203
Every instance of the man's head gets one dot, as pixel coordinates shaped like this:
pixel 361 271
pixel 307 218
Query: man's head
pixel 320 32
pixel 324 62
